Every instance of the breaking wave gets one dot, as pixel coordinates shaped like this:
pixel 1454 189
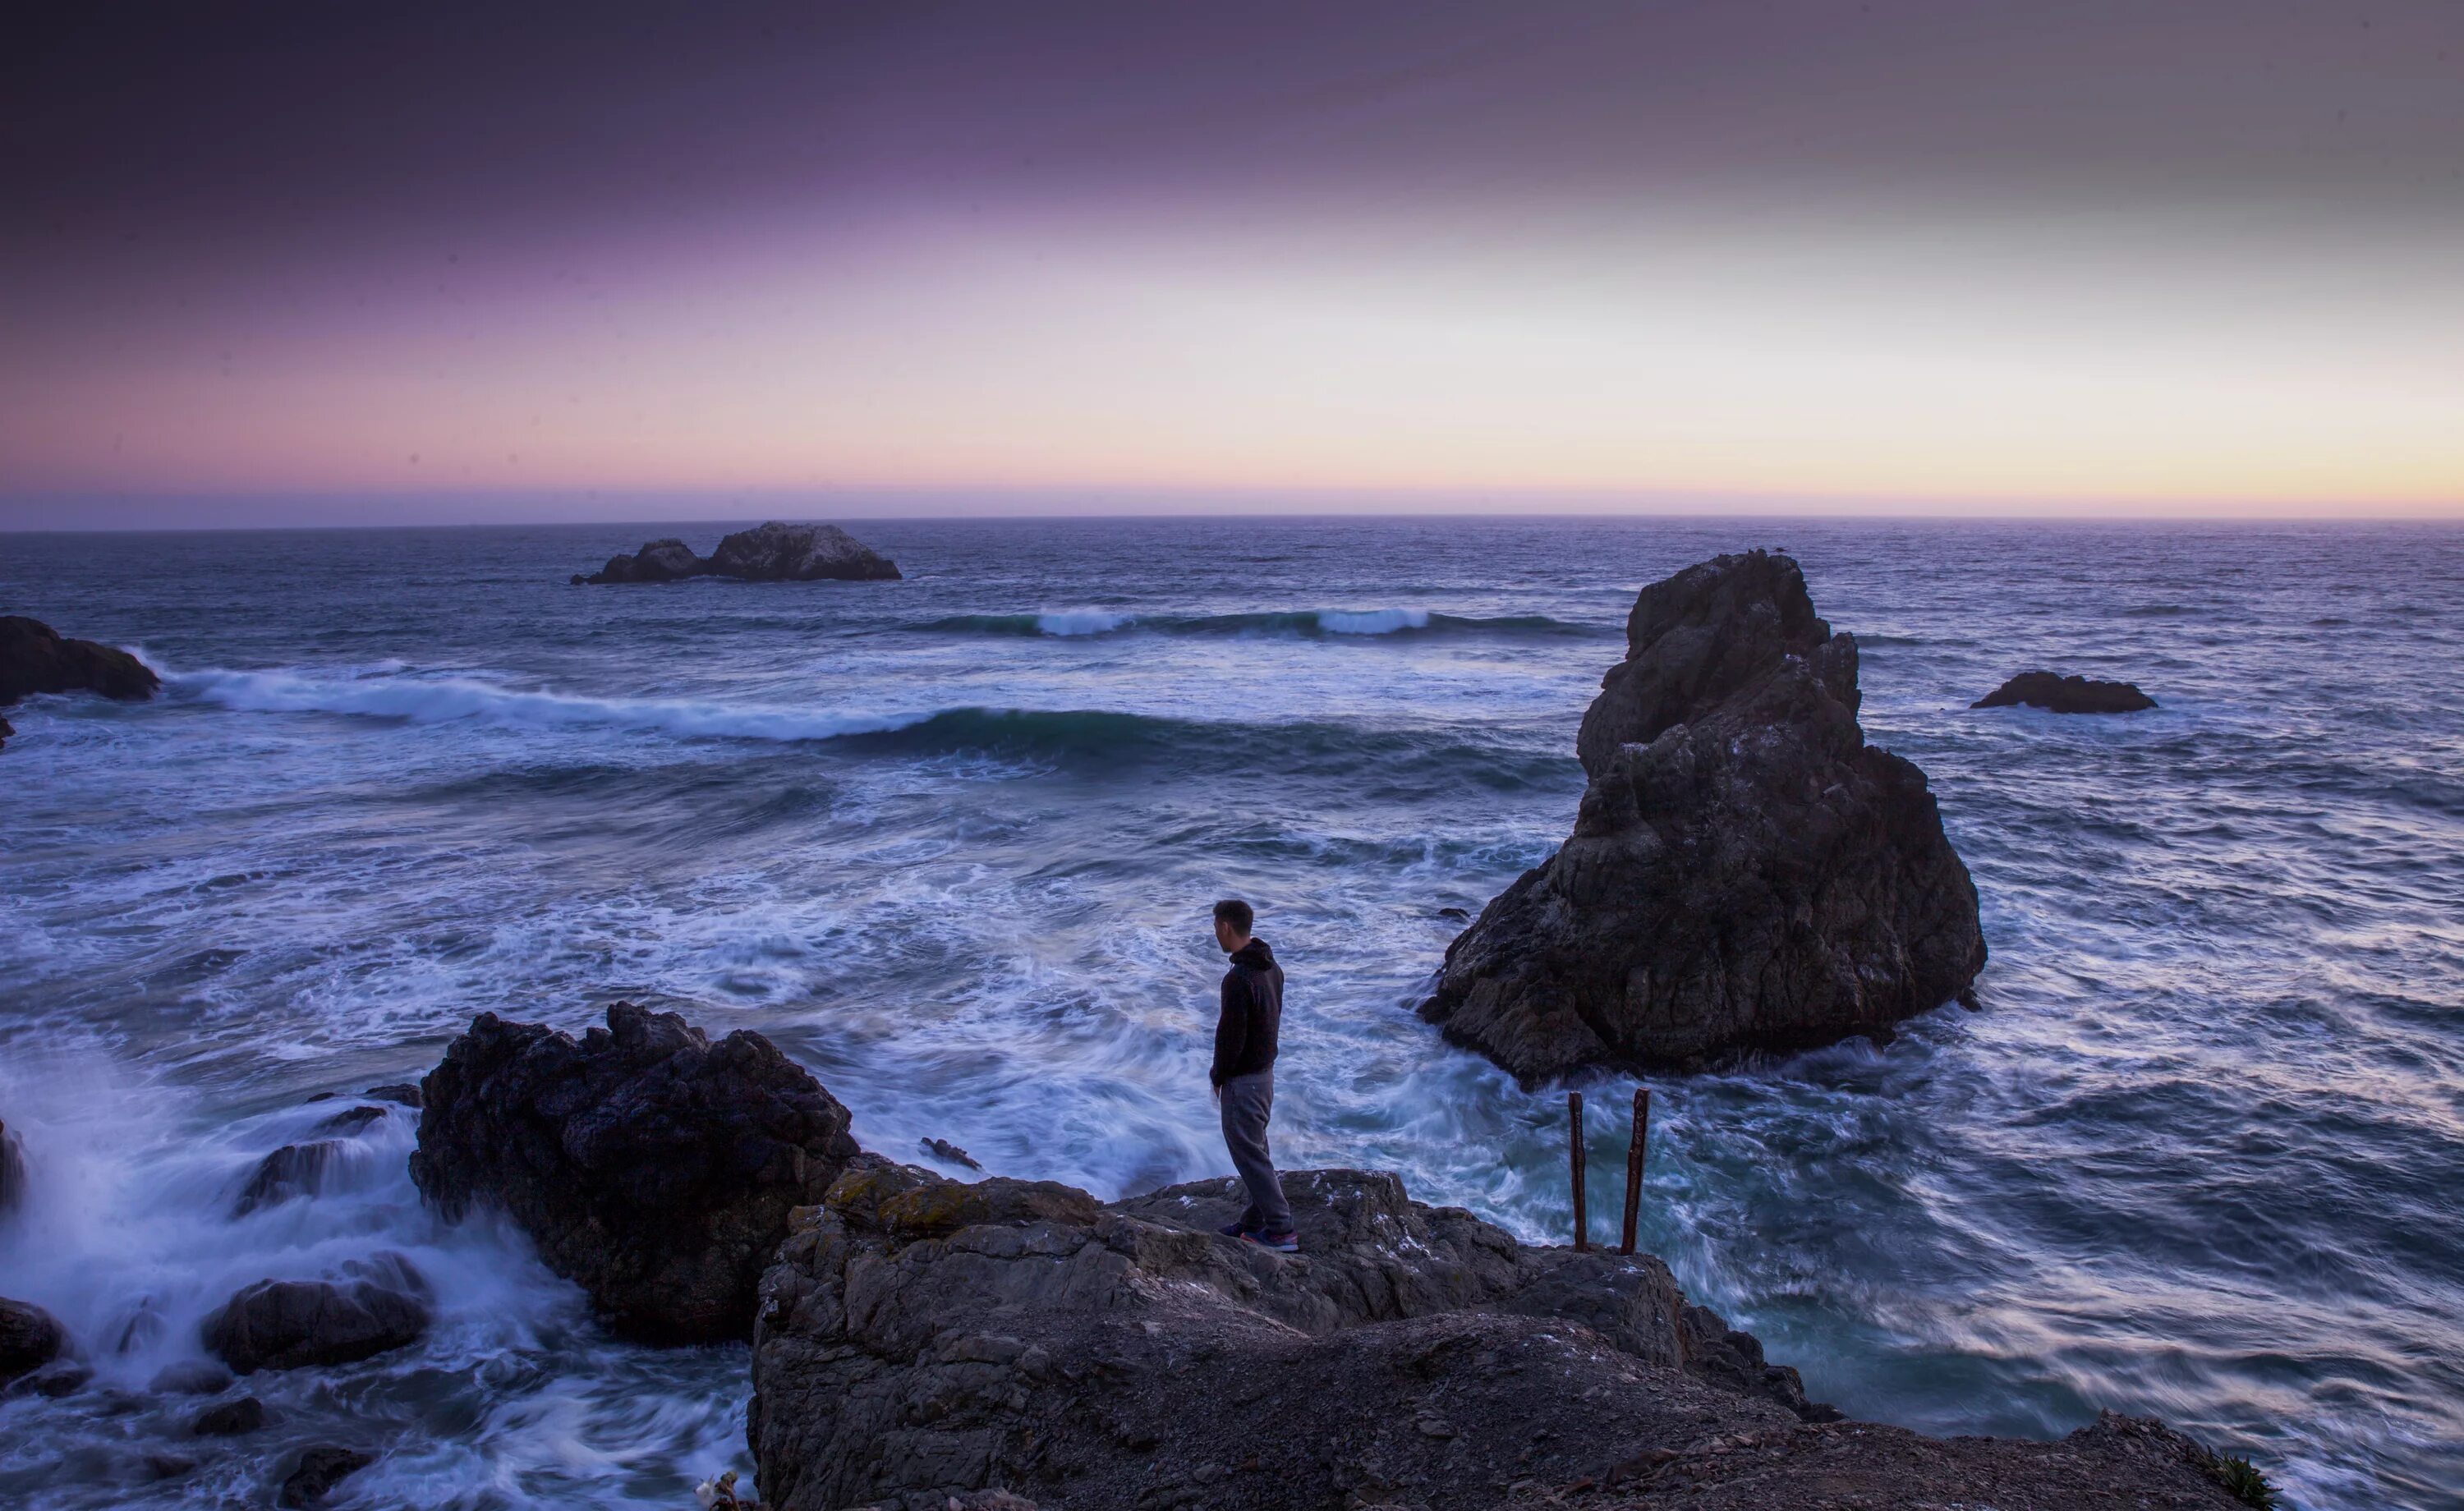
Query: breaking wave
pixel 1067 736
pixel 1072 623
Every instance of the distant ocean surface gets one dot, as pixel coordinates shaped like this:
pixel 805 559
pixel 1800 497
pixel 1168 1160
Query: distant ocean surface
pixel 951 843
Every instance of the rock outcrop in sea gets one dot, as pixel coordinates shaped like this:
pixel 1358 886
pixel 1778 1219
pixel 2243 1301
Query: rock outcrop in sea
pixel 776 552
pixel 2059 695
pixel 37 658
pixel 651 1166
pixel 923 1340
pixel 378 1304
pixel 1744 873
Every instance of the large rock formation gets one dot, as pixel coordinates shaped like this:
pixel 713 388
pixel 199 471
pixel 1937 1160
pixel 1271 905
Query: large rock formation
pixel 922 1340
pixel 651 1166
pixel 35 658
pixel 378 1304
pixel 2043 689
pixel 1744 873
pixel 772 553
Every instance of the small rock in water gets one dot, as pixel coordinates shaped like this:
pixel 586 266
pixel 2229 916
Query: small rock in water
pixel 167 1466
pixel 352 1120
pixel 402 1093
pixel 944 1148
pixel 191 1377
pixel 2043 689
pixel 294 1170
pixel 319 1471
pixel 287 1325
pixel 59 1380
pixel 229 1419
pixel 30 1338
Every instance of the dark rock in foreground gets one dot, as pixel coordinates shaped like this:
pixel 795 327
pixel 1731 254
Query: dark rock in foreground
pixel 319 1471
pixel 651 1166
pixel 923 1339
pixel 2043 689
pixel 1746 872
pixel 381 1305
pixel 35 658
pixel 230 1419
pixel 30 1338
pixel 771 553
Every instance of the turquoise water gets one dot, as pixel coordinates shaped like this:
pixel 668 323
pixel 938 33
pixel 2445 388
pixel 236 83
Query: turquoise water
pixel 951 842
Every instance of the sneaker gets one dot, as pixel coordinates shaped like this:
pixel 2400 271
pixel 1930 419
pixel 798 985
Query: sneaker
pixel 1233 1230
pixel 1280 1242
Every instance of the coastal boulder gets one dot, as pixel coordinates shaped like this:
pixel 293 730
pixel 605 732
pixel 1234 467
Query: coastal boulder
pixel 2043 689
pixel 784 553
pixel 378 1304
pixel 652 1167
pixel 313 1478
pixel 1746 872
pixel 657 562
pixel 30 1338
pixel 35 658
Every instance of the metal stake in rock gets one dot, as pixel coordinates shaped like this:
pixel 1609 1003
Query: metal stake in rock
pixel 1634 1165
pixel 1582 1217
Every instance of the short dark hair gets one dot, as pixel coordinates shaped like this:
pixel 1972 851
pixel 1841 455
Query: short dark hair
pixel 1236 912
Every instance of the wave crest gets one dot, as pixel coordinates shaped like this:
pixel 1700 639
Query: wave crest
pixel 1069 624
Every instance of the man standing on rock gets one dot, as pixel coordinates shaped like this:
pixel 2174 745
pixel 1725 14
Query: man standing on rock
pixel 1245 1074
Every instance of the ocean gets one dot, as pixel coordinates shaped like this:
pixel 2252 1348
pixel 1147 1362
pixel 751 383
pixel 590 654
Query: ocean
pixel 951 842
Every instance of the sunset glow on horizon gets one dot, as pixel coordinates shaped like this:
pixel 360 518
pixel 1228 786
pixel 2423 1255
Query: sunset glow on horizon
pixel 2075 262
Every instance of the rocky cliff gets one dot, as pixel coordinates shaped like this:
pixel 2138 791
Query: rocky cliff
pixel 1745 872
pixel 923 1342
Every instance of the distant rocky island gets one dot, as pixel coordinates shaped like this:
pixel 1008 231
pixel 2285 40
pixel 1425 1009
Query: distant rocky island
pixel 2058 694
pixel 37 658
pixel 776 552
pixel 1744 873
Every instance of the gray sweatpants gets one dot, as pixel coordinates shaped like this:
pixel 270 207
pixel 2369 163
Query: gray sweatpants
pixel 1249 1101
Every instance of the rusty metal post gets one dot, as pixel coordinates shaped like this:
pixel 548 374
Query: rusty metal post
pixel 1582 1216
pixel 1634 1165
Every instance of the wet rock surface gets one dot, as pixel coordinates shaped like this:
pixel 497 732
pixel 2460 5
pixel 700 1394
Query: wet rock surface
pixel 30 1338
pixel 922 1338
pixel 378 1304
pixel 294 1170
pixel 2059 695
pixel 316 1475
pixel 37 658
pixel 231 1418
pixel 776 552
pixel 652 1165
pixel 1744 873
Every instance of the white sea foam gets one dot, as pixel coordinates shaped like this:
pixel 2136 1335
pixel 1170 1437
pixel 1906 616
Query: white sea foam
pixel 1372 621
pixel 438 700
pixel 1068 623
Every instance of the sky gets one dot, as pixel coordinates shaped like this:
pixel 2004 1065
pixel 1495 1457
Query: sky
pixel 283 262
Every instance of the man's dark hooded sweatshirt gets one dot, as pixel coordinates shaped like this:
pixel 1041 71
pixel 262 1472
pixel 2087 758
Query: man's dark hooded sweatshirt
pixel 1253 1014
